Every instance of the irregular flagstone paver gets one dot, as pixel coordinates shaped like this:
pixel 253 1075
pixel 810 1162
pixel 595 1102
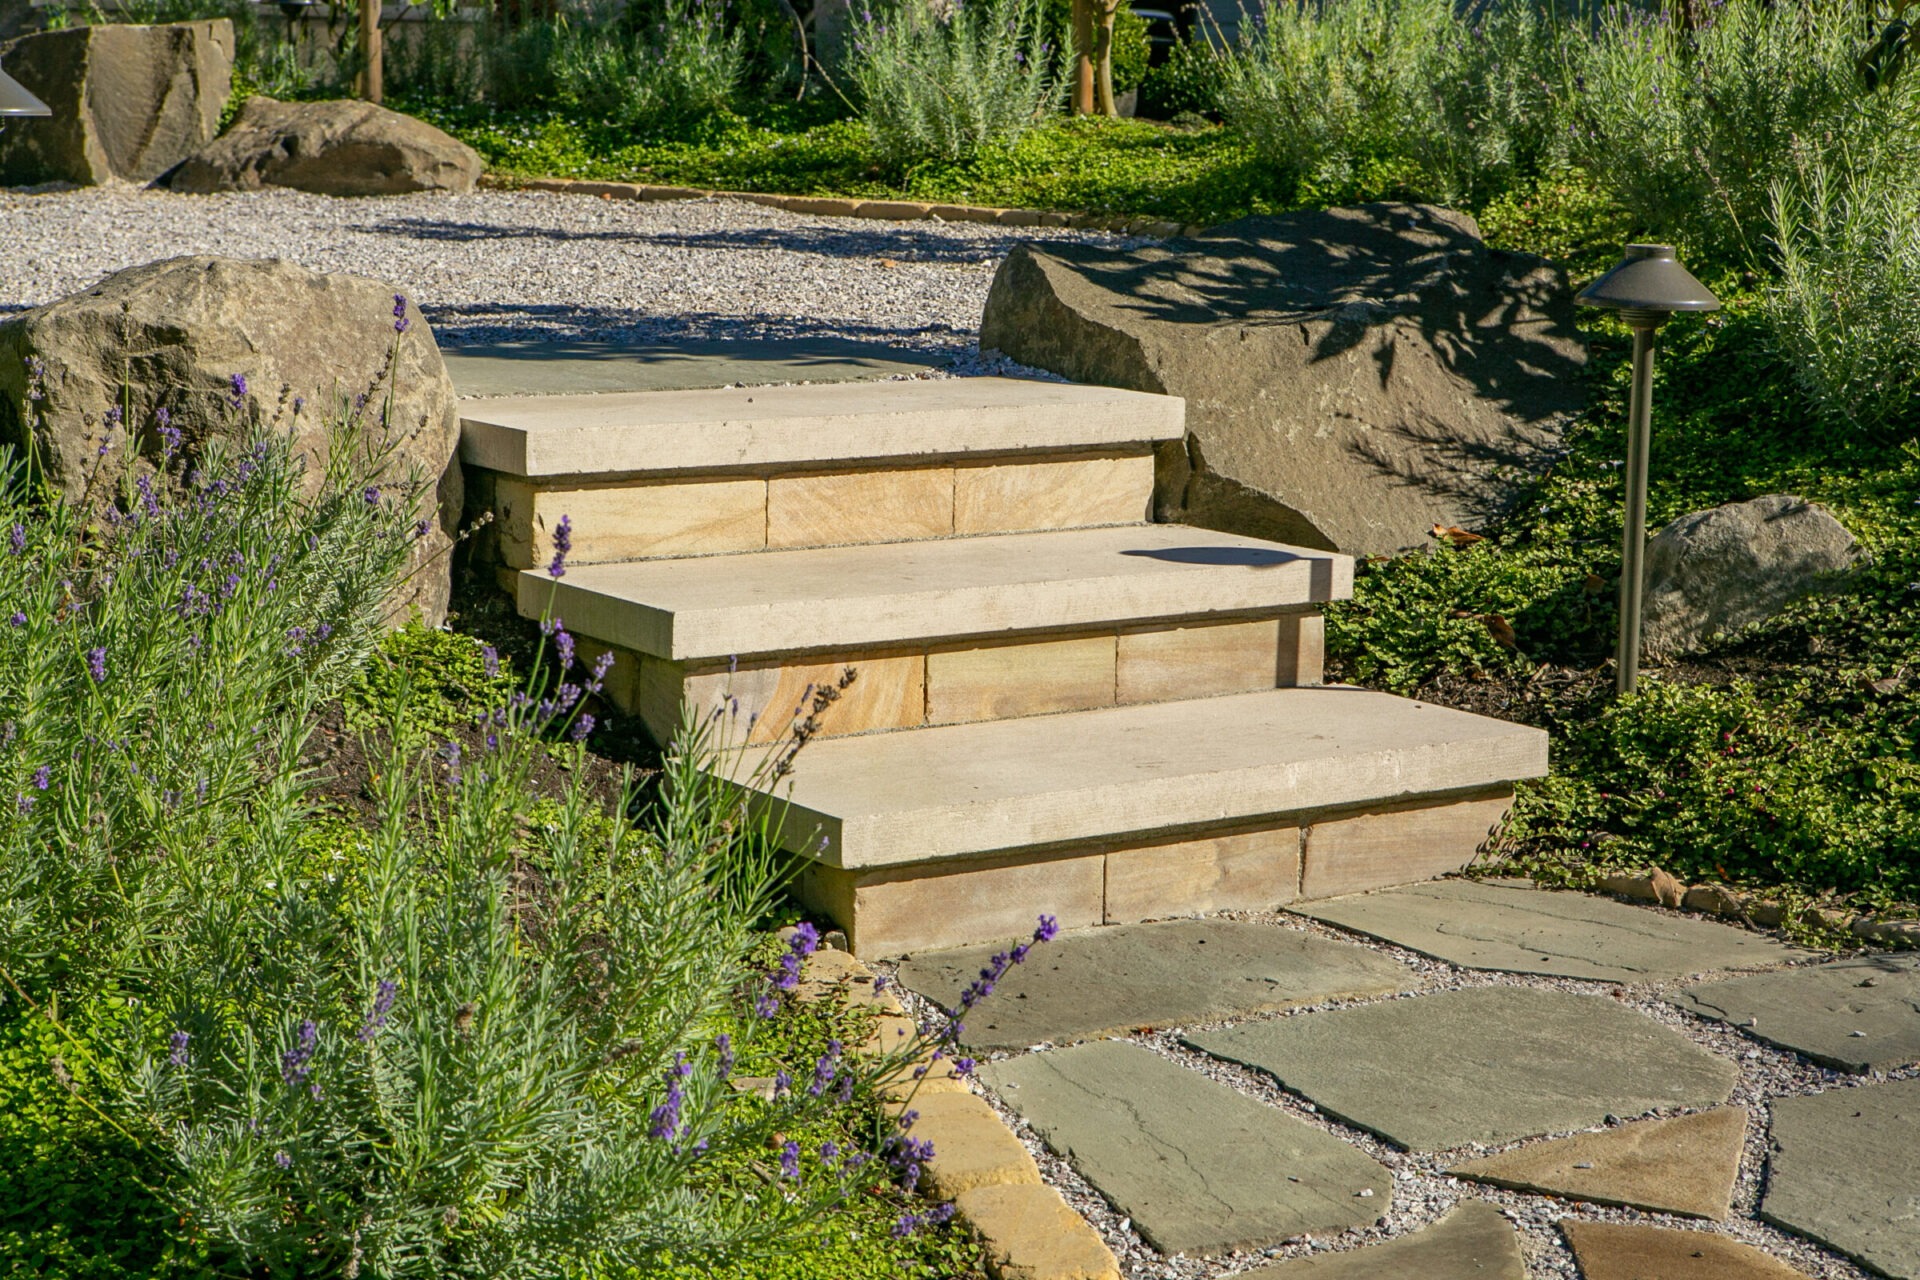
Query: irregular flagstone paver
pixel 1684 1165
pixel 1515 929
pixel 1119 979
pixel 1473 1242
pixel 1490 1064
pixel 1856 1015
pixel 1846 1171
pixel 1030 1233
pixel 1628 1251
pixel 1198 1167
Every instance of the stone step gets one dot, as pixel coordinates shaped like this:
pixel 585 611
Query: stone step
pixel 673 473
pixel 957 681
pixel 963 833
pixel 842 598
pixel 787 427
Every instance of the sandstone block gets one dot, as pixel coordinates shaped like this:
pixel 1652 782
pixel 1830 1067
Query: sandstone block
pixel 997 682
pixel 129 102
pixel 902 909
pixel 1200 660
pixel 630 522
pixel 1409 842
pixel 1010 497
pixel 1249 871
pixel 837 507
pixel 1030 1234
pixel 971 1147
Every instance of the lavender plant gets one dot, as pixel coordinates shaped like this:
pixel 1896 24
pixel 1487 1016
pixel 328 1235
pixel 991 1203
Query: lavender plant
pixel 943 80
pixel 496 1050
pixel 159 651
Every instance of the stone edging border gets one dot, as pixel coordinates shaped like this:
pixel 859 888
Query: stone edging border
pixel 1028 1229
pixel 1719 900
pixel 836 207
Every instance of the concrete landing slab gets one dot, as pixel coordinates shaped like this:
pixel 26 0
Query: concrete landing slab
pixel 1845 1171
pixel 910 592
pixel 1117 980
pixel 1853 1015
pixel 887 799
pixel 1486 1065
pixel 1198 1167
pixel 1474 1241
pixel 1685 1165
pixel 580 367
pixel 731 428
pixel 1513 929
pixel 1628 1251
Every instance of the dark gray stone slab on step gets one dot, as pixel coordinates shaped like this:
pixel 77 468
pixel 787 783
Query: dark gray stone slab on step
pixel 1198 1167
pixel 1855 1015
pixel 1845 1171
pixel 1168 974
pixel 1485 1065
pixel 565 367
pixel 1567 935
pixel 1474 1241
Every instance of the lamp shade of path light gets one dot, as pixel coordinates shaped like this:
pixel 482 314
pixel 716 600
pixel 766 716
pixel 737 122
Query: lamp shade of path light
pixel 1646 287
pixel 15 100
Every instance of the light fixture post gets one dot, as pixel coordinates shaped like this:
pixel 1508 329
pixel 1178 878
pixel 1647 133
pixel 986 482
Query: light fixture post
pixel 1646 287
pixel 16 101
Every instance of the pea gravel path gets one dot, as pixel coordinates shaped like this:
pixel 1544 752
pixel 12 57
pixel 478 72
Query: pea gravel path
pixel 500 265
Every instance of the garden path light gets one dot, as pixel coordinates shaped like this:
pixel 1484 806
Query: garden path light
pixel 16 100
pixel 1646 287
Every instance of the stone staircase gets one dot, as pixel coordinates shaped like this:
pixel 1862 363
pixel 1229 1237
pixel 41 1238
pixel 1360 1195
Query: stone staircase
pixel 1060 707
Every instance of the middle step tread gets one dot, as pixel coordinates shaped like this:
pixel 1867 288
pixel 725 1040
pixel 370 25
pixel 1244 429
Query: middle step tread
pixel 838 597
pixel 971 789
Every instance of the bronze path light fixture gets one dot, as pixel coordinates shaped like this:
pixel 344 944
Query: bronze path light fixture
pixel 1647 287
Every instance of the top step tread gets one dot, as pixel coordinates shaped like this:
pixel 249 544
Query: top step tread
pixel 958 790
pixel 624 433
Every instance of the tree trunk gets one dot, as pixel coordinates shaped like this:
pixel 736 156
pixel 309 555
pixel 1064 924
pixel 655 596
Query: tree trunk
pixel 1103 57
pixel 1083 37
pixel 372 72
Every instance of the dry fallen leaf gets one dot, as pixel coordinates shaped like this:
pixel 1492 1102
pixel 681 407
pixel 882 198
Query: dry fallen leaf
pixel 1501 630
pixel 1456 535
pixel 1594 584
pixel 886 262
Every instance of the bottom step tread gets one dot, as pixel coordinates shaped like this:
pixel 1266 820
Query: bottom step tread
pixel 960 790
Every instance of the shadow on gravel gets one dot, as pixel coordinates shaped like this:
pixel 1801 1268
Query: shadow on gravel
pixel 901 242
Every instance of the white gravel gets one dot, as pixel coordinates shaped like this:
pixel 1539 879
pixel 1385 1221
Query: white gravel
pixel 1422 1190
pixel 498 265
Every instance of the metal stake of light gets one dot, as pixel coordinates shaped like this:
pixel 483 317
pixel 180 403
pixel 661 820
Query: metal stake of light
pixel 1646 287
pixel 16 100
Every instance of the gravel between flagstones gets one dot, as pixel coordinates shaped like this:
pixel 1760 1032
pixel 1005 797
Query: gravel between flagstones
pixel 1422 1190
pixel 498 265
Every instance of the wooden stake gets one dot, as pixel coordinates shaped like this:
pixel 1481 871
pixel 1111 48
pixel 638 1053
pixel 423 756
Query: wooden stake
pixel 371 71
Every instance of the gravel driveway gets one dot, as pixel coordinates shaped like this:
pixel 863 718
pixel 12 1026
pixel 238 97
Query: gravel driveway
pixel 500 265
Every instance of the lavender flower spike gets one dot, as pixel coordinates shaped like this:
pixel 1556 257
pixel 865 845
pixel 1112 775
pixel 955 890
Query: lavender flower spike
pixel 178 1041
pixel 562 546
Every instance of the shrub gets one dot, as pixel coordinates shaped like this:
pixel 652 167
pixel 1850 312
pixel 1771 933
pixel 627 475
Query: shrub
pixel 1690 128
pixel 1188 81
pixel 945 80
pixel 685 69
pixel 154 652
pixel 1845 310
pixel 1446 106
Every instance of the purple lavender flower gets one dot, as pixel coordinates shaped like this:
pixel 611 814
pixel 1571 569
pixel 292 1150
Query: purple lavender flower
pixel 22 802
pixel 377 1015
pixel 581 728
pixel 782 1083
pixel 723 1048
pixel 239 396
pixel 790 1160
pixel 825 1069
pixel 490 659
pixel 665 1120
pixel 563 647
pixel 562 545
pixel 766 1005
pixel 283 1160
pixel 400 321
pixel 97 665
pixel 421 529
pixel 372 496
pixel 43 777
pixel 17 538
pixel 178 1040
pixel 144 483
pixel 297 1062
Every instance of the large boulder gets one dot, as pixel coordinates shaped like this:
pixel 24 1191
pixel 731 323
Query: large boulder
pixel 339 148
pixel 1714 572
pixel 129 102
pixel 1352 376
pixel 174 334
